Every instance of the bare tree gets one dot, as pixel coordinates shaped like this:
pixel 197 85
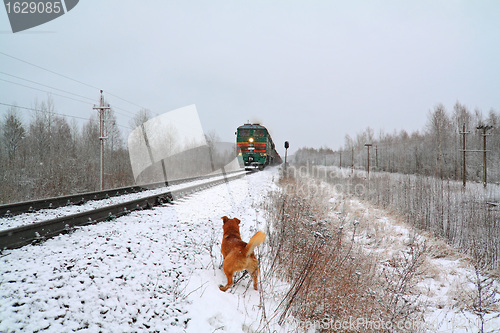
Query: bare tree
pixel 439 129
pixel 12 133
pixel 140 118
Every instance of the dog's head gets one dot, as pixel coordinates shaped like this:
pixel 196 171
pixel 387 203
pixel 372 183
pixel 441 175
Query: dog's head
pixel 231 225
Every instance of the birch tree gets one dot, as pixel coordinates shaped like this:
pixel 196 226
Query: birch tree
pixel 12 133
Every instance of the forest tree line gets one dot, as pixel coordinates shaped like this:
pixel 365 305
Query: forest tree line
pixel 49 156
pixel 436 150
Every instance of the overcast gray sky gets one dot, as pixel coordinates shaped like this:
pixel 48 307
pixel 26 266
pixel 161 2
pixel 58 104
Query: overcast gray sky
pixel 311 71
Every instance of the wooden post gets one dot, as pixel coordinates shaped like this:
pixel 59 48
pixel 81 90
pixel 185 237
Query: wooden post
pixel 484 128
pixel 368 145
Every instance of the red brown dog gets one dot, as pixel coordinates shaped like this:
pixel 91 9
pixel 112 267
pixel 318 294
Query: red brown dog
pixel 237 254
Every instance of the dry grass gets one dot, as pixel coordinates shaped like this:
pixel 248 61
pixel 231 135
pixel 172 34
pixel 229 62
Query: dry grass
pixel 332 279
pixel 444 214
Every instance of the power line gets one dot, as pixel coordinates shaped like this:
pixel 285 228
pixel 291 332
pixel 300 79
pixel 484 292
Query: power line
pixel 48 70
pixel 67 92
pixel 57 113
pixel 46 91
pixel 125 100
pixel 50 92
pixel 69 78
pixel 37 110
pixel 44 85
pixel 129 113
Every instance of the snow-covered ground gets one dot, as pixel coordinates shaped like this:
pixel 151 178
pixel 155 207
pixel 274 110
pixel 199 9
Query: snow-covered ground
pixel 47 214
pixel 154 270
pixel 445 285
pixel 159 270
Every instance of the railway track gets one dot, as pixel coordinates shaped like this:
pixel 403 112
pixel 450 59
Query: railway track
pixel 40 231
pixel 9 210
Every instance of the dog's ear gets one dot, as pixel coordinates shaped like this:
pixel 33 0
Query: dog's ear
pixel 224 219
pixel 237 221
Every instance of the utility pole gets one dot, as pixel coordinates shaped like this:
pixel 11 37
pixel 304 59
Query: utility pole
pixel 340 163
pixel 352 159
pixel 464 166
pixel 484 128
pixel 376 156
pixel 101 109
pixel 368 145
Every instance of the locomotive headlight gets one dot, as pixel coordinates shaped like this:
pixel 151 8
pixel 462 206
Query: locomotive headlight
pixel 250 140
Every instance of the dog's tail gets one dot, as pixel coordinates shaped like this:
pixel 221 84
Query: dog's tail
pixel 255 241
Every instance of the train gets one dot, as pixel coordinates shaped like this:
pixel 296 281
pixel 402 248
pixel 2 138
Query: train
pixel 255 147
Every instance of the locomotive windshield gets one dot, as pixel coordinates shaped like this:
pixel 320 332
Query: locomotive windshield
pixel 252 132
pixel 244 132
pixel 259 132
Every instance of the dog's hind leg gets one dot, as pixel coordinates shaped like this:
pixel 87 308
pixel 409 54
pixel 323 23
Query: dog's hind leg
pixel 254 271
pixel 229 276
pixel 254 276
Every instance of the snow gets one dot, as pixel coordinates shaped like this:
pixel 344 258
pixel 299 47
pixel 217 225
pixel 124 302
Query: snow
pixel 445 282
pixel 153 270
pixel 47 214
pixel 159 270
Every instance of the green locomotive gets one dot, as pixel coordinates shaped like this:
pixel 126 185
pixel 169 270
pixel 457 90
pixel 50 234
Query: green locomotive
pixel 255 147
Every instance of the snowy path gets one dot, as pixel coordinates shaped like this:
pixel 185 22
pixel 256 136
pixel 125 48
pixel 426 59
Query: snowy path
pixel 155 270
pixel 445 282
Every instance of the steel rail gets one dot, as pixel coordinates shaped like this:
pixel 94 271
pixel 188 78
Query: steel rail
pixel 18 208
pixel 38 232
